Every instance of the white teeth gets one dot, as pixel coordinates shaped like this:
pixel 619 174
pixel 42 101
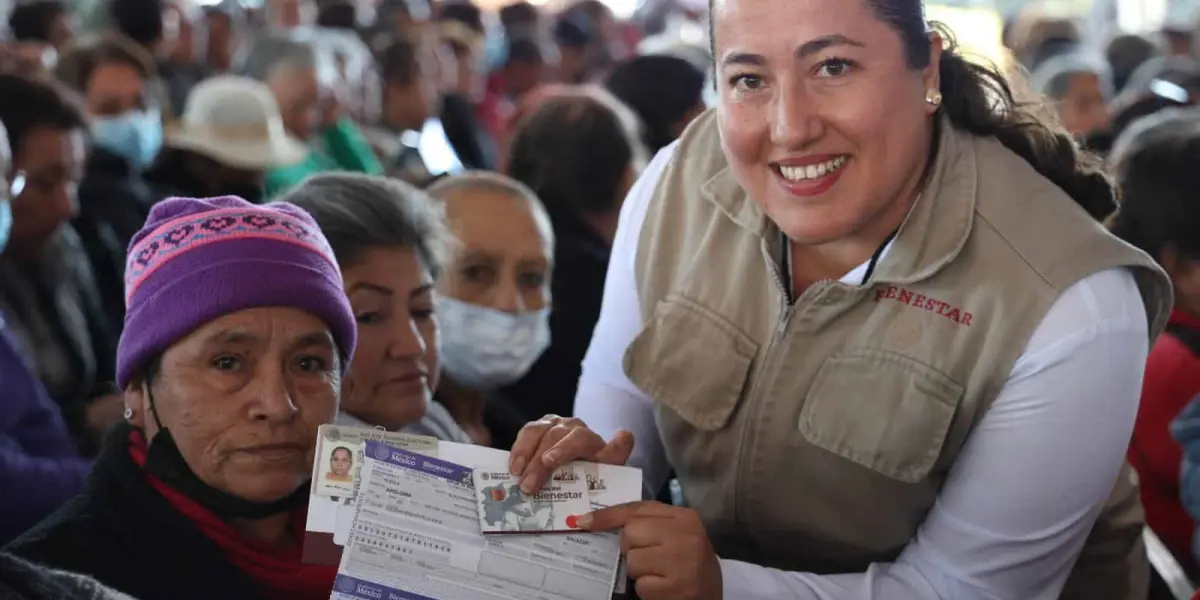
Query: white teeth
pixel 812 171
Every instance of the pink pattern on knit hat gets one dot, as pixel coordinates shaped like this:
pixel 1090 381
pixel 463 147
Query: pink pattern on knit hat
pixel 177 236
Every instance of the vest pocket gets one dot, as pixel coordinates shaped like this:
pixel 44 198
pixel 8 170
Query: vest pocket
pixel 884 411
pixel 691 360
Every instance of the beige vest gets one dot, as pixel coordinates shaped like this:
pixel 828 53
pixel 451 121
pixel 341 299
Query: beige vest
pixel 816 438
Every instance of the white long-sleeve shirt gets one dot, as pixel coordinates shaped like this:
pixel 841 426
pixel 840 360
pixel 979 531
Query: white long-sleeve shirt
pixel 1024 491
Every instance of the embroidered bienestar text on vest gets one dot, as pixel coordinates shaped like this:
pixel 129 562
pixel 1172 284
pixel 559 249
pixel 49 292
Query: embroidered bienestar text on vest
pixel 915 300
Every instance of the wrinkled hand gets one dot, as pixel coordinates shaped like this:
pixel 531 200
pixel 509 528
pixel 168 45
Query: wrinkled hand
pixel 666 548
pixel 553 441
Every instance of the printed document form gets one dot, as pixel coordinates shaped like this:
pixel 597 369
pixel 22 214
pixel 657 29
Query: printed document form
pixel 416 535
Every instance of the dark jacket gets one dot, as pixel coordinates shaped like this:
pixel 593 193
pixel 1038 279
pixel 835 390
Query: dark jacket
pixel 577 287
pixel 128 536
pixel 52 308
pixel 39 466
pixel 114 201
pixel 23 580
pixel 115 192
pixel 167 177
pixel 471 143
pixel 503 419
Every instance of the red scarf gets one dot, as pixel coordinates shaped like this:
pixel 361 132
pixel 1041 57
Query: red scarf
pixel 277 569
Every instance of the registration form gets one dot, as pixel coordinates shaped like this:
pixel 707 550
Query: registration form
pixel 416 532
pixel 331 499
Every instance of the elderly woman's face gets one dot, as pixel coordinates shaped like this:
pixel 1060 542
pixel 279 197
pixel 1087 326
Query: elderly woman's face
pixel 52 162
pixel 395 365
pixel 243 397
pixel 503 256
pixel 299 95
pixel 1083 109
pixel 823 123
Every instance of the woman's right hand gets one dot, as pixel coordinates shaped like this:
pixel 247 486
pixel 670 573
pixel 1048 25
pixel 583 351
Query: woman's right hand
pixel 553 441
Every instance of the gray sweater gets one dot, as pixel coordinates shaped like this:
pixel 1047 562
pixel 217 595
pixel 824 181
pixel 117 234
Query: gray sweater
pixel 437 423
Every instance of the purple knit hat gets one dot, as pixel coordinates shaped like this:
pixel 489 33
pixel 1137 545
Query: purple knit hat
pixel 198 259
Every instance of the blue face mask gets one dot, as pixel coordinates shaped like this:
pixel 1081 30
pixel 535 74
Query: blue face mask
pixel 135 136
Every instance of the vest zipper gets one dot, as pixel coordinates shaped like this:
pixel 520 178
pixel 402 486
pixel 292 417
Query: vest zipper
pixel 789 307
pixel 785 317
pixel 765 367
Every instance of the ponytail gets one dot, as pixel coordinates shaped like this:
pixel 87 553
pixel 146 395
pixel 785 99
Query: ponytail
pixel 977 99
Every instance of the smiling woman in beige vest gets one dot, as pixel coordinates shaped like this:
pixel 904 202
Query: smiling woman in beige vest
pixel 865 311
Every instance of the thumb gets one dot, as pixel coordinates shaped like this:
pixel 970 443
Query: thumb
pixel 617 450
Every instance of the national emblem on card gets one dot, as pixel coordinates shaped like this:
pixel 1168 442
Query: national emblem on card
pixel 504 508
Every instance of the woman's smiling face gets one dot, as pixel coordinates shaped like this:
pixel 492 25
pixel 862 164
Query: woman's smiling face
pixel 824 122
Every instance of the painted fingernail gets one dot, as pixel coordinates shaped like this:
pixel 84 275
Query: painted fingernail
pixel 573 521
pixel 583 521
pixel 518 466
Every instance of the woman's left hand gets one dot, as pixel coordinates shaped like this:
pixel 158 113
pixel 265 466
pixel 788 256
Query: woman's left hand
pixel 666 548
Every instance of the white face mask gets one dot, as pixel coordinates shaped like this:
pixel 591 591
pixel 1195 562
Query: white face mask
pixel 485 349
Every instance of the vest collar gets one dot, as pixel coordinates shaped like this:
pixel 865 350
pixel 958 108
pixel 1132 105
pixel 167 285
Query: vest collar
pixel 931 236
pixel 939 224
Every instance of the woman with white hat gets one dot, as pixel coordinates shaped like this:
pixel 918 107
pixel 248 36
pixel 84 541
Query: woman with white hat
pixel 301 73
pixel 231 133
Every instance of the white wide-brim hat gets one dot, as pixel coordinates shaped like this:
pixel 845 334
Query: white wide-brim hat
pixel 236 122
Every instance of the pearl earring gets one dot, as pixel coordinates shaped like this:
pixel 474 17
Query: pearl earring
pixel 128 413
pixel 933 98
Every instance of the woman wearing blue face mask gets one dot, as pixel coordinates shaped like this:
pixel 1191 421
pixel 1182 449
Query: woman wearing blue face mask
pixel 493 300
pixel 111 75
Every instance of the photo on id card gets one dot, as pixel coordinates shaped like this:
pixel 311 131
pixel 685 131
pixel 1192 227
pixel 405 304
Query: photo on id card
pixel 504 508
pixel 339 456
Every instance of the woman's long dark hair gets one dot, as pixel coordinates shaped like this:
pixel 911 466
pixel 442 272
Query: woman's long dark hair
pixel 976 98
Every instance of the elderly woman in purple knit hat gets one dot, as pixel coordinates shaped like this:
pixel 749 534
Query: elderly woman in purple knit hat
pixel 236 339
